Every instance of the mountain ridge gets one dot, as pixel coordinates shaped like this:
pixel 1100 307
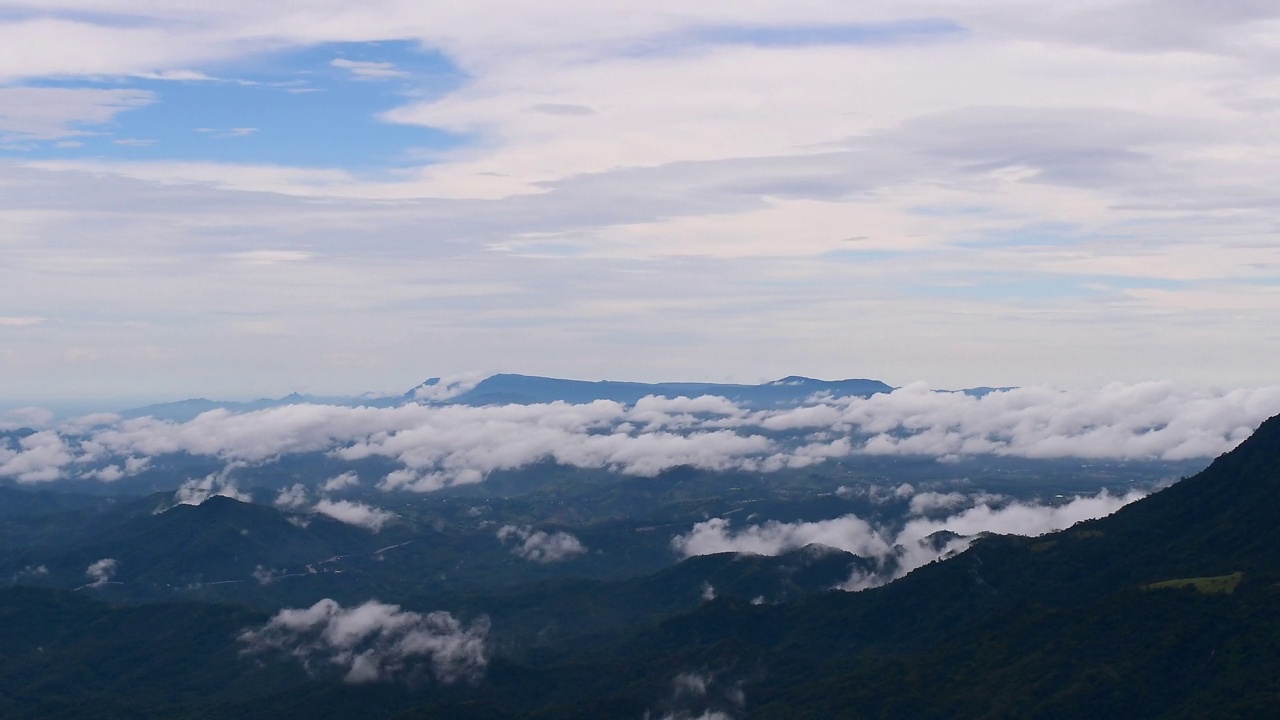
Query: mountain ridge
pixel 512 388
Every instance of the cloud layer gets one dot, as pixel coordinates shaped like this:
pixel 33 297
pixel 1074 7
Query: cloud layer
pixel 374 642
pixel 913 544
pixel 439 446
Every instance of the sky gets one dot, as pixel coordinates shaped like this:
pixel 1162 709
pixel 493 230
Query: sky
pixel 243 199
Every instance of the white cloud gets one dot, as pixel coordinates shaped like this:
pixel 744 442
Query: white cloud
pixel 39 457
pixel 910 546
pixel 354 513
pixel 445 388
pixel 44 113
pixel 929 502
pixel 708 592
pixel 293 497
pixel 694 684
pixel 848 533
pixel 540 546
pixel 439 446
pixel 297 499
pixel 366 69
pixel 135 465
pixel 341 482
pixel 1019 518
pixel 1145 420
pixel 375 642
pixel 111 473
pixel 220 484
pixel 101 571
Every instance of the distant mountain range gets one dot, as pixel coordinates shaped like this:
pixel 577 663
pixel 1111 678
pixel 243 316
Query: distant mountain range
pixel 504 389
pixel 529 389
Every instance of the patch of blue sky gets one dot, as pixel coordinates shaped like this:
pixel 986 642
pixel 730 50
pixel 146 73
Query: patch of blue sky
pixel 314 107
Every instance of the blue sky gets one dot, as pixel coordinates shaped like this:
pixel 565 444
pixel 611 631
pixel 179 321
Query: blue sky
pixel 295 107
pixel 239 200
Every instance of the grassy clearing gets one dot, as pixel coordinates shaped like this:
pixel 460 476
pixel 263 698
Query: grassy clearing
pixel 1220 584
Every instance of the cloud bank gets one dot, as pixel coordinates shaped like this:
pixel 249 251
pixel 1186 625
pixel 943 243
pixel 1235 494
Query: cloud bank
pixel 442 445
pixel 374 642
pixel 919 541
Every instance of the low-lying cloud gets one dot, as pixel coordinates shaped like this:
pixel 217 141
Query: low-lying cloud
pixel 438 446
pixel 39 457
pixel 219 484
pixel 374 642
pixel 111 473
pixel 540 546
pixel 297 498
pixel 918 542
pixel 354 513
pixel 100 572
pixel 341 482
pixel 701 696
